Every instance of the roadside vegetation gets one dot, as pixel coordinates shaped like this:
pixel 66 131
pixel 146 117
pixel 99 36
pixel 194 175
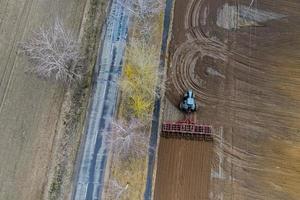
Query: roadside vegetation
pixel 54 54
pixel 139 80
pixel 128 139
pixel 130 131
pixel 115 190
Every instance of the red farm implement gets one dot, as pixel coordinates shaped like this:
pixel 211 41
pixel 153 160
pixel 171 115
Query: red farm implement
pixel 187 129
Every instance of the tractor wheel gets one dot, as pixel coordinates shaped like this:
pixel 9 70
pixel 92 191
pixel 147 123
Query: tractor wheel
pixel 180 106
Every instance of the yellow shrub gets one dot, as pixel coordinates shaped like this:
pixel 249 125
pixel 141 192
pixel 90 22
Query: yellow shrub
pixel 141 107
pixel 140 77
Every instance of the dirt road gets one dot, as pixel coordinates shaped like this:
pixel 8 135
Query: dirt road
pixel 29 108
pixel 241 59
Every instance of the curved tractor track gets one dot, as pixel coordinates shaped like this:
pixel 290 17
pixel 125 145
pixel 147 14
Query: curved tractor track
pixel 241 60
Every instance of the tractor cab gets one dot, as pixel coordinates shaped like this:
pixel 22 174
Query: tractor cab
pixel 187 129
pixel 188 103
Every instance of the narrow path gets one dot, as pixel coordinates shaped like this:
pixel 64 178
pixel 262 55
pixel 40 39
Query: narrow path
pixel 89 180
pixel 148 194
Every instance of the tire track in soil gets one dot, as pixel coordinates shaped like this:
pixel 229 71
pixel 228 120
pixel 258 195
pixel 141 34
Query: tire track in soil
pixel 248 99
pixel 20 30
pixel 3 14
pixel 26 128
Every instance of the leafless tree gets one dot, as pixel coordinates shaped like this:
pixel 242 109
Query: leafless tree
pixel 129 140
pixel 143 8
pixel 54 54
pixel 115 190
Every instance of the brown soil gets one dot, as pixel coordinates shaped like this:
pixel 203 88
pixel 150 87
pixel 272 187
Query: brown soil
pixel 190 167
pixel 29 108
pixel 245 76
pixel 183 166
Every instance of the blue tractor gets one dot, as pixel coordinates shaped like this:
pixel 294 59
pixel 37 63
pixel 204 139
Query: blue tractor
pixel 188 104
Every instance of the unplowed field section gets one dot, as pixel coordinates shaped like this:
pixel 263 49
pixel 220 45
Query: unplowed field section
pixel 241 58
pixel 29 108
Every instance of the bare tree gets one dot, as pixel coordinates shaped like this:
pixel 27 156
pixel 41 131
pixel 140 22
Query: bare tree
pixel 54 54
pixel 115 190
pixel 143 8
pixel 129 140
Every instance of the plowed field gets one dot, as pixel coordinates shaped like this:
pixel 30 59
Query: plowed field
pixel 242 60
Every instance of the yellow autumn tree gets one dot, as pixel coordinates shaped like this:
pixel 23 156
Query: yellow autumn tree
pixel 140 78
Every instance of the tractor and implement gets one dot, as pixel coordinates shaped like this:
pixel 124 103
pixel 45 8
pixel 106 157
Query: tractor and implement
pixel 187 129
